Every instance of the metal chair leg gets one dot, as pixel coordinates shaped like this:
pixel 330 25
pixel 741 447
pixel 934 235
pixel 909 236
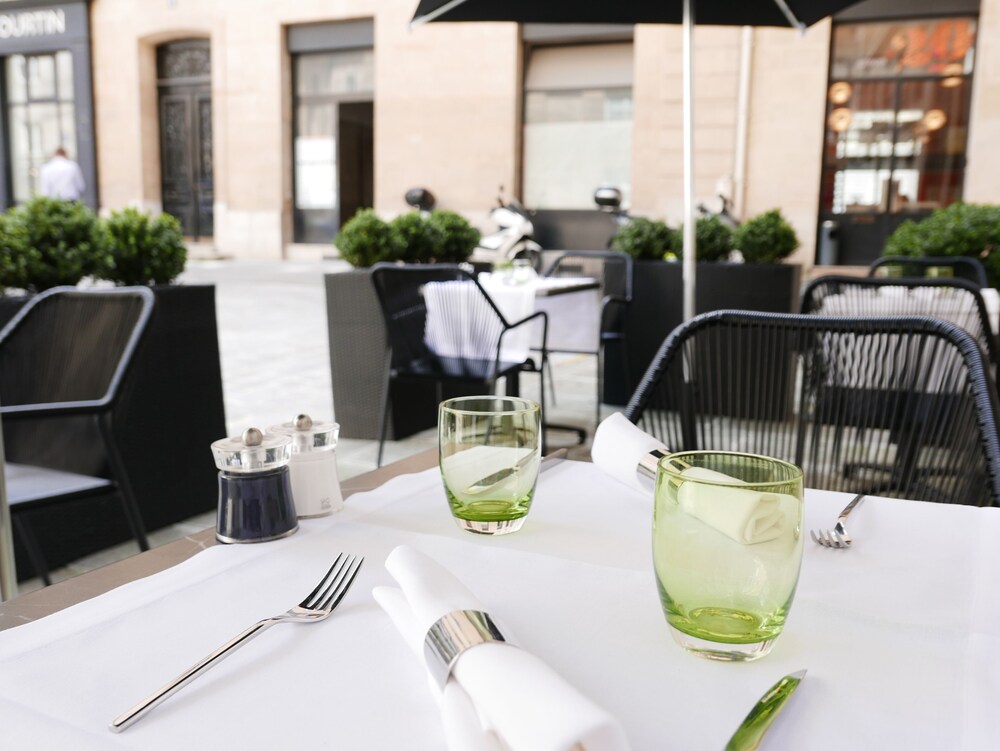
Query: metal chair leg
pixel 118 471
pixel 385 409
pixel 33 549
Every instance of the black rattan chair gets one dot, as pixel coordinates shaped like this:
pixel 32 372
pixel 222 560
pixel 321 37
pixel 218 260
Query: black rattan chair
pixel 614 271
pixel 954 300
pixel 469 329
pixel 900 407
pixel 957 267
pixel 66 353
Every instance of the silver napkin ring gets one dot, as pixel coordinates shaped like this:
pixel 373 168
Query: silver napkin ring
pixel 649 462
pixel 452 634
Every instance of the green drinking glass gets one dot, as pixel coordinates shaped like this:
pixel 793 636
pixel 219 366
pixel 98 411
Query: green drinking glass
pixel 727 548
pixel 489 453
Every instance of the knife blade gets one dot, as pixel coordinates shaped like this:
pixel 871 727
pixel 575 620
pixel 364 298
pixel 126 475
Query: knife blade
pixel 751 731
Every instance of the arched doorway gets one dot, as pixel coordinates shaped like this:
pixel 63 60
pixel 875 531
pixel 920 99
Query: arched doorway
pixel 184 82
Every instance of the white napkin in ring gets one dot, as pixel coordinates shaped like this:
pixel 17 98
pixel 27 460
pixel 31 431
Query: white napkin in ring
pixel 512 698
pixel 618 447
pixel 746 516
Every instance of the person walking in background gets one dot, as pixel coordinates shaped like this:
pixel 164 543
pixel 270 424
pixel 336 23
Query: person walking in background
pixel 62 177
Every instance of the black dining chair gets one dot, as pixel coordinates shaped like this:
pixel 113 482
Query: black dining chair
pixel 66 354
pixel 899 407
pixel 955 300
pixel 957 267
pixel 449 332
pixel 614 271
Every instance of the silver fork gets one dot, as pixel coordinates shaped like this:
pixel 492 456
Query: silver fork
pixel 320 603
pixel 838 537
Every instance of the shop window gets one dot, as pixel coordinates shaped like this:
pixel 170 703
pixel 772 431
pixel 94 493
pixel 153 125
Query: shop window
pixel 897 116
pixel 577 124
pixel 40 115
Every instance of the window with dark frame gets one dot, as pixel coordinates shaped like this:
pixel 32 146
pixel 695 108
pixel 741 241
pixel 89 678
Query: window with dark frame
pixel 897 116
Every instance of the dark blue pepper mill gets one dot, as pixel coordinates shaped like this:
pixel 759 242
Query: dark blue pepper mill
pixel 255 492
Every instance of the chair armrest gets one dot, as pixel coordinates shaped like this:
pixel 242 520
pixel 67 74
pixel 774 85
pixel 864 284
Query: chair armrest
pixel 14 411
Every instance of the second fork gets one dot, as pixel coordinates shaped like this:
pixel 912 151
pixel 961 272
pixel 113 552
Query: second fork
pixel 838 537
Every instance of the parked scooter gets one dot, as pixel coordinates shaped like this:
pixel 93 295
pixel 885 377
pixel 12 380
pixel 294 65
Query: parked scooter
pixel 609 200
pixel 512 240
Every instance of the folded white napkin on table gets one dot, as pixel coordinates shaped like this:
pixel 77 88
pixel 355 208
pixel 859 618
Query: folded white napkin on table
pixel 744 515
pixel 498 696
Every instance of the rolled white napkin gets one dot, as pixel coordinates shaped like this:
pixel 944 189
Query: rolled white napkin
pixel 744 515
pixel 520 701
pixel 747 516
pixel 618 446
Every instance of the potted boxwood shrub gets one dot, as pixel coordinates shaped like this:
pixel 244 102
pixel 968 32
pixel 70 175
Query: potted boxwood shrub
pixel 355 328
pixel 60 242
pixel 962 229
pixel 143 249
pixel 760 283
pixel 172 403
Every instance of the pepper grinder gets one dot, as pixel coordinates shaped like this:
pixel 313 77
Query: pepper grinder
pixel 315 483
pixel 255 494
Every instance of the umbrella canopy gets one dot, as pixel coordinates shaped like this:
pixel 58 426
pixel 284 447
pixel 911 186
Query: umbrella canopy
pixel 791 13
pixel 711 12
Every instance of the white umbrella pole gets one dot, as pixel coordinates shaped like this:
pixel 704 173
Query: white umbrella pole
pixel 688 258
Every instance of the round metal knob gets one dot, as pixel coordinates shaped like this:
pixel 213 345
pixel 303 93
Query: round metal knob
pixel 303 422
pixel 253 437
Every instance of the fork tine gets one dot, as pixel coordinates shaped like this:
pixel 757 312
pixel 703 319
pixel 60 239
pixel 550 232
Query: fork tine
pixel 346 580
pixel 322 587
pixel 812 533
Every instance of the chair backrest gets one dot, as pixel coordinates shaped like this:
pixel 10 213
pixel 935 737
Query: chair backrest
pixel 613 269
pixel 955 300
pixel 72 346
pixel 957 267
pixel 436 310
pixel 898 406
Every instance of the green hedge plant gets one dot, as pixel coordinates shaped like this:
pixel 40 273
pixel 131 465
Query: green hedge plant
pixel 962 229
pixel 16 257
pixel 420 239
pixel 713 239
pixel 142 249
pixel 61 241
pixel 366 239
pixel 646 239
pixel 766 238
pixel 458 237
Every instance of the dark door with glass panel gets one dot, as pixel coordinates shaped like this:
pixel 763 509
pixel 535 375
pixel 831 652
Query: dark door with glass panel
pixel 897 122
pixel 186 135
pixel 334 140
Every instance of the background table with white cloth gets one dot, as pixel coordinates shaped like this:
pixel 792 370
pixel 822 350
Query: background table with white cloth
pixel 573 306
pixel 900 634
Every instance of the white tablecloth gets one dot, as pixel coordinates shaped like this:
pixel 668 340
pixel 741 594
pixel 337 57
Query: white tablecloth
pixel 901 634
pixel 574 317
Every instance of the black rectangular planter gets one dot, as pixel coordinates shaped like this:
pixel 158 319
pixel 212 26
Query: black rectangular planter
pixel 170 410
pixel 658 295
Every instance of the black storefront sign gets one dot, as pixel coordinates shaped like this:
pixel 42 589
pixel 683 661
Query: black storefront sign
pixel 30 28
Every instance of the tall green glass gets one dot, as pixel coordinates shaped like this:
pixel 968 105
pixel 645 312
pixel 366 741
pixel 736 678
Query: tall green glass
pixel 727 548
pixel 489 455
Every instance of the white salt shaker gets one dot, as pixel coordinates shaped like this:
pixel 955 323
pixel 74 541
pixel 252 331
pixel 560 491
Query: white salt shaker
pixel 313 468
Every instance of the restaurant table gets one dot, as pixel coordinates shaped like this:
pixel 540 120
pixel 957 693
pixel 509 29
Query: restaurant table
pixel 900 634
pixel 572 304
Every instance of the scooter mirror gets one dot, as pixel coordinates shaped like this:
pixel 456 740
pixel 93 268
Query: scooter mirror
pixel 420 198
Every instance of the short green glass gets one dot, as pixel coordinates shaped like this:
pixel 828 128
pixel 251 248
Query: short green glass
pixel 727 549
pixel 489 452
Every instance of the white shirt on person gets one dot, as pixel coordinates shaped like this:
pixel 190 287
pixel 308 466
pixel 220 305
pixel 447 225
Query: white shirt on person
pixel 62 178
